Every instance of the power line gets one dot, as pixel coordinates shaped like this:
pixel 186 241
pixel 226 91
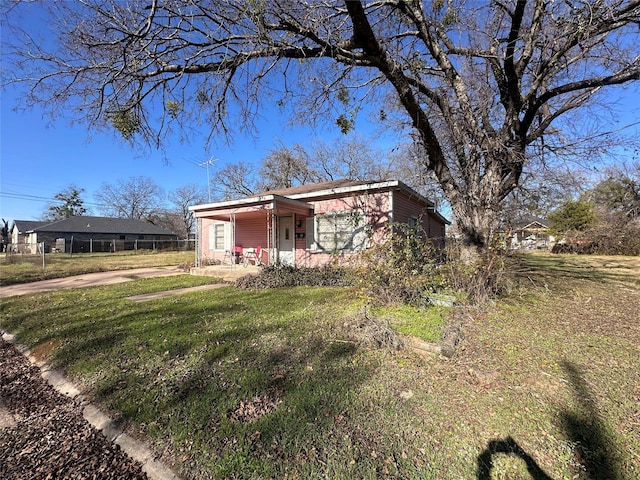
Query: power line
pixel 36 198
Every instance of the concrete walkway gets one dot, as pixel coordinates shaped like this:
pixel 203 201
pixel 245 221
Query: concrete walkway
pixel 169 293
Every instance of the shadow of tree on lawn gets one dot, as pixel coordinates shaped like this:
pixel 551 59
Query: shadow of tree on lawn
pixel 507 446
pixel 587 432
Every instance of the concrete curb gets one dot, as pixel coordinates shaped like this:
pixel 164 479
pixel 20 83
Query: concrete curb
pixel 135 449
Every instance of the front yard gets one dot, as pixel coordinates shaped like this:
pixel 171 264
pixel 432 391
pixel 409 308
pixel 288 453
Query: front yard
pixel 19 268
pixel 234 383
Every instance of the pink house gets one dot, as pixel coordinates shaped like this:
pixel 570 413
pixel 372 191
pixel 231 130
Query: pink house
pixel 309 225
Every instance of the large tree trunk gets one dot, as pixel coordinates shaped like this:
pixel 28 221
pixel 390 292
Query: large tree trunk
pixel 477 225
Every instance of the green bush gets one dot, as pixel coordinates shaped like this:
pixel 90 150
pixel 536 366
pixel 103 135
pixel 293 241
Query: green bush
pixel 402 268
pixel 278 276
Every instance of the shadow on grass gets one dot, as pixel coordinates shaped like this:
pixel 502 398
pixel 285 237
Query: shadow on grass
pixel 586 431
pixel 578 267
pixel 507 446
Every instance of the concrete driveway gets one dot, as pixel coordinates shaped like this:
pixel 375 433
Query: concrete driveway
pixel 89 280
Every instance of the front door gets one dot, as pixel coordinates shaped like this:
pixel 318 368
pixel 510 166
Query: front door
pixel 286 241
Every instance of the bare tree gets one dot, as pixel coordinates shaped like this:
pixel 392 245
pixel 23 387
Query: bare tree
pixel 354 158
pixel 182 198
pixel 618 193
pixel 286 167
pixel 138 198
pixel 349 158
pixel 481 85
pixel 289 166
pixel 235 180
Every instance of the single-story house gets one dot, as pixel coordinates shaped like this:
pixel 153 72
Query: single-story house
pixel 88 234
pixel 531 234
pixel 19 235
pixel 310 225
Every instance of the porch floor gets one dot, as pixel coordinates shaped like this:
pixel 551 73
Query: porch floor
pixel 228 273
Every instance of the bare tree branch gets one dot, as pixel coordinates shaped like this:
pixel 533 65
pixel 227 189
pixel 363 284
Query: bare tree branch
pixel 481 86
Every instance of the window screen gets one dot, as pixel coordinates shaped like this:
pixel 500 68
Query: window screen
pixel 340 232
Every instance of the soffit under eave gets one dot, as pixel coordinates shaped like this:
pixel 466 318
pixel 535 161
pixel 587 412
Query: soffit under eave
pixel 278 207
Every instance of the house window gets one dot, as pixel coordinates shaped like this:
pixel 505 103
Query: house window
pixel 217 236
pixel 122 237
pixel 340 232
pixel 412 222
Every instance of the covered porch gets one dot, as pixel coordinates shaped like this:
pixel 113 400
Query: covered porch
pixel 269 227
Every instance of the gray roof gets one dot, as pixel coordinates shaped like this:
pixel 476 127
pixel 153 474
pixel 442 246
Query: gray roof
pixel 28 225
pixel 101 225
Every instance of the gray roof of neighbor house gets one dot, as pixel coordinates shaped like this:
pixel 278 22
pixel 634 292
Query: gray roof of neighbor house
pixel 102 225
pixel 28 225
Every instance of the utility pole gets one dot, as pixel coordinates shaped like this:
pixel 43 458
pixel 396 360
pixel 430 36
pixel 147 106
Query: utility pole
pixel 207 164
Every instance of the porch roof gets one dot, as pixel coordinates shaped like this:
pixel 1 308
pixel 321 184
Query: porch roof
pixel 250 205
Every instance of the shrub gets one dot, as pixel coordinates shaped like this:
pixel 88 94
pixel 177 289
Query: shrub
pixel 486 273
pixel 278 276
pixel 402 268
pixel 612 235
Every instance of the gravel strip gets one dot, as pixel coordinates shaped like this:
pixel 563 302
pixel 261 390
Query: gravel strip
pixel 43 434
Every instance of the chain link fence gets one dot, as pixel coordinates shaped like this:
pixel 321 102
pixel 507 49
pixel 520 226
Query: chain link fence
pixel 33 251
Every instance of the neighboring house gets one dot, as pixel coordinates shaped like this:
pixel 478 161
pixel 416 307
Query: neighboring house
pixel 531 234
pixel 312 224
pixel 88 234
pixel 19 235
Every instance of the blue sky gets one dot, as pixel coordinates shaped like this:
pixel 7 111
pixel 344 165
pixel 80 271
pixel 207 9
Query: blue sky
pixel 39 159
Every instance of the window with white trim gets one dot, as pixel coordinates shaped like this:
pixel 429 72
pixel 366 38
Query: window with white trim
pixel 336 232
pixel 218 236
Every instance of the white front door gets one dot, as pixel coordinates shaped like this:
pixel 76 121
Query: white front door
pixel 286 235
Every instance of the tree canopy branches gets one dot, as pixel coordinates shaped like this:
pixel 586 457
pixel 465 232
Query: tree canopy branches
pixel 480 84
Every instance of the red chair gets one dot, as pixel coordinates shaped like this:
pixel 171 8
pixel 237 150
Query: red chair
pixel 234 255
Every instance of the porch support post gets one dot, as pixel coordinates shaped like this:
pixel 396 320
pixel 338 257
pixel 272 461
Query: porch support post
pixel 268 225
pixel 273 257
pixel 293 234
pixel 233 240
pixel 197 245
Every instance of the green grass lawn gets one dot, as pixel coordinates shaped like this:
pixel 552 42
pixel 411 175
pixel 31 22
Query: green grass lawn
pixel 28 268
pixel 231 383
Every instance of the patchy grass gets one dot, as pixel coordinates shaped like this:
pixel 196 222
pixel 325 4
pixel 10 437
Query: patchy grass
pixel 28 268
pixel 425 323
pixel 234 383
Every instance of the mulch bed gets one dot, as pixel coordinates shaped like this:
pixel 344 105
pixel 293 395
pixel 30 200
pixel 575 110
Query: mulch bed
pixel 43 434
